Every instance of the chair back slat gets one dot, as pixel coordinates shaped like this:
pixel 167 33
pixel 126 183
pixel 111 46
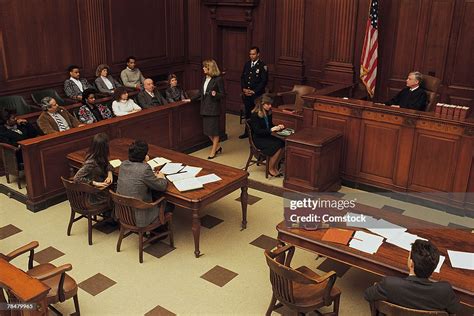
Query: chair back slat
pixel 125 207
pixel 79 195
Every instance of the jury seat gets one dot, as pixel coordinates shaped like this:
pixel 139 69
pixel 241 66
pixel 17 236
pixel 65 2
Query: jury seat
pixel 431 85
pixel 380 308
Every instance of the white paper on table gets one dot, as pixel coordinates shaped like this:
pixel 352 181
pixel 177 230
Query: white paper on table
pixel 192 170
pixel 115 163
pixel 369 221
pixel 180 176
pixel 387 229
pixel 171 167
pixel 366 242
pixel 208 178
pixel 187 184
pixel 157 161
pixel 440 263
pixel 461 259
pixel 404 240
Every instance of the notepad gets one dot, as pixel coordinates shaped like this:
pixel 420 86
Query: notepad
pixel 157 161
pixel 171 167
pixel 337 235
pixel 209 178
pixel 187 184
pixel 115 163
pixel 461 259
pixel 366 242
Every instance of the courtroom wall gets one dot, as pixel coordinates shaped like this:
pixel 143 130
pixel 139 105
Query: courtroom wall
pixel 302 41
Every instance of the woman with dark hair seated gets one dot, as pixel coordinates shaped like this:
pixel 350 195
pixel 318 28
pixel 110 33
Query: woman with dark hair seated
pixel 122 104
pixel 262 128
pixel 174 93
pixel 90 112
pixel 97 171
pixel 13 130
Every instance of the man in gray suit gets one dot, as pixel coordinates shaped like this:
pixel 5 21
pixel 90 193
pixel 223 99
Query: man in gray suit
pixel 150 96
pixel 136 179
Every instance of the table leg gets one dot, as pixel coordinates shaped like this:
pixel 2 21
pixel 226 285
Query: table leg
pixel 196 232
pixel 243 200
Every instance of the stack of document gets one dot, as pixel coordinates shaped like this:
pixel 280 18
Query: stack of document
pixel 195 183
pixel 386 229
pixel 172 167
pixel 115 163
pixel 185 173
pixel 462 260
pixel 403 240
pixel 157 162
pixel 366 242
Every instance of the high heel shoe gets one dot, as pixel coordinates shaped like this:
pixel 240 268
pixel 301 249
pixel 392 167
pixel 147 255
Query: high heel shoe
pixel 219 151
pixel 211 157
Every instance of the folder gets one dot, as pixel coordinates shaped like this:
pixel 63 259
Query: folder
pixel 337 235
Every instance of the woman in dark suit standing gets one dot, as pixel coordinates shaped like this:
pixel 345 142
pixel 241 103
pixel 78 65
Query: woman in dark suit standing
pixel 262 127
pixel 211 93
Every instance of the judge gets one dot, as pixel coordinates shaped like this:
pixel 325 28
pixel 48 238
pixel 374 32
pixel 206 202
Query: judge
pixel 412 96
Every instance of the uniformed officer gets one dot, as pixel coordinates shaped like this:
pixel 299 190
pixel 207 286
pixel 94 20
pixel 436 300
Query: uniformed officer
pixel 253 82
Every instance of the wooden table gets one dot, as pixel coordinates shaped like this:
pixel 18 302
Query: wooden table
pixel 312 158
pixel 390 259
pixel 232 179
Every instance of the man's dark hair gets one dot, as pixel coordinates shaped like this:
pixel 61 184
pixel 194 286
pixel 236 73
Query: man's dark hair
pixel 137 151
pixel 256 49
pixel 425 257
pixel 130 57
pixel 5 115
pixel 86 94
pixel 71 67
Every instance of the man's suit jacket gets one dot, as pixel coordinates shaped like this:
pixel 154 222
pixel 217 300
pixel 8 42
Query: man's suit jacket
pixel 136 179
pixel 10 137
pixel 100 84
pixel 146 101
pixel 414 292
pixel 48 125
pixel 415 100
pixel 210 105
pixel 72 90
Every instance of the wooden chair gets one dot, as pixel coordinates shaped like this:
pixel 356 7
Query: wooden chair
pixel 11 165
pixel 431 86
pixel 298 91
pixel 63 287
pixel 80 196
pixel 125 211
pixel 260 157
pixel 301 290
pixel 385 308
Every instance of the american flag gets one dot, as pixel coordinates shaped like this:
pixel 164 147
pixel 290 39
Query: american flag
pixel 368 59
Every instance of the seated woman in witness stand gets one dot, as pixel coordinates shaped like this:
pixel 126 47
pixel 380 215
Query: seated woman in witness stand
pixel 90 112
pixel 175 93
pixel 97 171
pixel 122 104
pixel 262 128
pixel 13 130
pixel 105 82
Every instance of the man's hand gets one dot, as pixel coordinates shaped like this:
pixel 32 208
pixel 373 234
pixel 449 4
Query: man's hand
pixel 81 125
pixel 21 121
pixel 159 175
pixel 395 106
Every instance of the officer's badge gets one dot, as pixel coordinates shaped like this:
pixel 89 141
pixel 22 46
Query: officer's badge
pixel 257 71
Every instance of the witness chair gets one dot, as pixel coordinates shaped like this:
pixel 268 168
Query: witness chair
pixel 18 104
pixel 40 94
pixel 11 163
pixel 125 211
pixel 292 100
pixel 260 157
pixel 63 287
pixel 431 86
pixel 301 290
pixel 80 196
pixel 385 308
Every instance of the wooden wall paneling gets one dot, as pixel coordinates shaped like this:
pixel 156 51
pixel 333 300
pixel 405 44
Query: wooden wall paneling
pixel 289 44
pixel 38 43
pixel 176 33
pixel 433 162
pixel 91 15
pixel 303 172
pixel 340 67
pixel 193 75
pixel 316 43
pixel 459 81
pixel 404 153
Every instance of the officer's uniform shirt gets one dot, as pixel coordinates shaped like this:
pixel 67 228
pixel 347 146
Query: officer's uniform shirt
pixel 254 77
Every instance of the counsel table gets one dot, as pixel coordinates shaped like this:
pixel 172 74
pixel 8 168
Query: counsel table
pixel 389 259
pixel 232 179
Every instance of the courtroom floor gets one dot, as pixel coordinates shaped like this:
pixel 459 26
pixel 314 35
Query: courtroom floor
pixel 231 278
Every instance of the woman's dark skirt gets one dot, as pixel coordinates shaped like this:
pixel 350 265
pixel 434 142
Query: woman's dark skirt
pixel 269 145
pixel 210 125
